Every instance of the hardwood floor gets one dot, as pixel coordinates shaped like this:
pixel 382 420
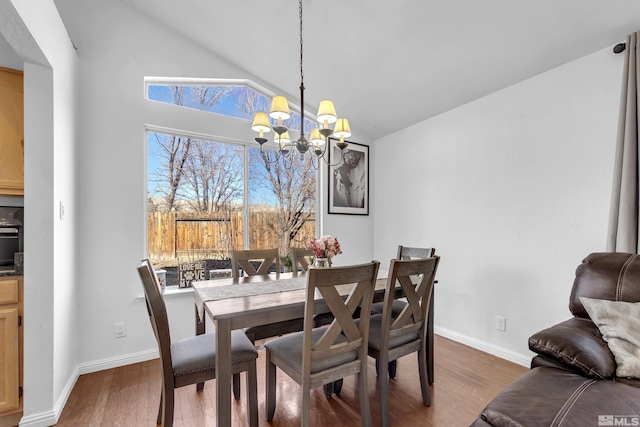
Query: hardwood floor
pixel 465 381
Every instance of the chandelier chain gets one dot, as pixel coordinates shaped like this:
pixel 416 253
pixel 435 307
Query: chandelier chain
pixel 301 69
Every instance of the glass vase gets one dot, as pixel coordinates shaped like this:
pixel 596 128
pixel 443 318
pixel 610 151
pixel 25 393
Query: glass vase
pixel 321 262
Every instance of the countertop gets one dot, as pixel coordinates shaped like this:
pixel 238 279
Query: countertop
pixel 8 270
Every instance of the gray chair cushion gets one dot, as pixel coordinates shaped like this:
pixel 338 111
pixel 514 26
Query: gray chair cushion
pixel 274 329
pixel 198 354
pixel 289 349
pixel 375 332
pixel 326 318
pixel 396 307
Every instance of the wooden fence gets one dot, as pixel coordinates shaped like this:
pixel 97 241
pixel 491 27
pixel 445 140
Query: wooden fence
pixel 186 237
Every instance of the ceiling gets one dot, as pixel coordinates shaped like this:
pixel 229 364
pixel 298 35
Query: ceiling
pixel 390 64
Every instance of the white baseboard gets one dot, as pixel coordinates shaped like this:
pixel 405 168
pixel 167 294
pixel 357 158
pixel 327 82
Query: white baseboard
pixel 500 352
pixel 115 362
pixel 42 419
pixel 49 418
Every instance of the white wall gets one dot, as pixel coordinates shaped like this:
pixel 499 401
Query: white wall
pixel 35 32
pixel 112 178
pixel 513 191
pixel 8 57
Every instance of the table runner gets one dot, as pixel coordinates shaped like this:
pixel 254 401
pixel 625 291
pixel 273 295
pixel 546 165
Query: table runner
pixel 203 294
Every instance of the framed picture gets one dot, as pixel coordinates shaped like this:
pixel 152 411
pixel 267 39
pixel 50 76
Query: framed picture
pixel 348 179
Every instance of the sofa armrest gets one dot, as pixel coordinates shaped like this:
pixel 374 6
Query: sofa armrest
pixel 577 344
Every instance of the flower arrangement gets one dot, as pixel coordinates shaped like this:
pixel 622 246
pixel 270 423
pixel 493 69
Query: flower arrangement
pixel 324 247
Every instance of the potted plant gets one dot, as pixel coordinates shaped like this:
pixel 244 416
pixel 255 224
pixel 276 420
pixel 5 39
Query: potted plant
pixel 286 264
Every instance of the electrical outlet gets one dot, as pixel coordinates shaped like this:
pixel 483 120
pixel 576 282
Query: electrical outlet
pixel 501 323
pixel 120 330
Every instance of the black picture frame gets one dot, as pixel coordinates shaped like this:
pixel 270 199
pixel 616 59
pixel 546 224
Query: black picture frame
pixel 348 179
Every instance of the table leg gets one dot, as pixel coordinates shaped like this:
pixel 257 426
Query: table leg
pixel 200 329
pixel 430 340
pixel 223 373
pixel 200 324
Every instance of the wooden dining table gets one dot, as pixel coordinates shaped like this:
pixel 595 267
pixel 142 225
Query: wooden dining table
pixel 252 301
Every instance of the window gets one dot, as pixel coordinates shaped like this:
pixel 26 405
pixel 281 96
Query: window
pixel 235 99
pixel 207 196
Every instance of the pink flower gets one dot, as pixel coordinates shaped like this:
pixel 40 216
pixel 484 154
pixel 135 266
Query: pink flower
pixel 324 247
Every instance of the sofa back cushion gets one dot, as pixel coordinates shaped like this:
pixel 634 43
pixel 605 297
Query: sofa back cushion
pixel 606 275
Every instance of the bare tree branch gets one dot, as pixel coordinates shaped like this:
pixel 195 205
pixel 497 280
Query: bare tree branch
pixel 214 177
pixel 292 183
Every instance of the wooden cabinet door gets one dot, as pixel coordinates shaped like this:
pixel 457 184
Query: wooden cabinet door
pixel 11 132
pixel 9 358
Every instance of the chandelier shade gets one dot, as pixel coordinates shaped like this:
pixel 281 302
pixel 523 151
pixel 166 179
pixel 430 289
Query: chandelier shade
pixel 342 129
pixel 326 112
pixel 282 140
pixel 316 139
pixel 279 108
pixel 261 123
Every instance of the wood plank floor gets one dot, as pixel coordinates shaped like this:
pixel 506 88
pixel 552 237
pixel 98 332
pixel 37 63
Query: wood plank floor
pixel 465 381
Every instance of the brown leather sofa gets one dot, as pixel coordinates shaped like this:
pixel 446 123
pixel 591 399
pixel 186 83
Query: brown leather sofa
pixel 572 381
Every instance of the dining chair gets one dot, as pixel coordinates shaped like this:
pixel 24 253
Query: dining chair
pixel 318 356
pixel 299 258
pixel 300 263
pixel 393 337
pixel 268 259
pixel 192 360
pixel 405 252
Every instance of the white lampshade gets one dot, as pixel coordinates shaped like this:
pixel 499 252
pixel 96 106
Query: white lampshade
pixel 261 123
pixel 316 139
pixel 326 112
pixel 279 108
pixel 342 129
pixel 282 140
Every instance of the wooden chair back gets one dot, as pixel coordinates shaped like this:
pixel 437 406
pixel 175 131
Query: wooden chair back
pixel 157 316
pixel 299 258
pixel 405 252
pixel 268 258
pixel 416 277
pixel 324 281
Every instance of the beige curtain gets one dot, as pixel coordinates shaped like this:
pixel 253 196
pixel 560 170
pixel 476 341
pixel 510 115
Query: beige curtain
pixel 622 235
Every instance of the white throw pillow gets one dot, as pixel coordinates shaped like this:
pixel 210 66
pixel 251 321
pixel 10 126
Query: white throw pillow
pixel 619 324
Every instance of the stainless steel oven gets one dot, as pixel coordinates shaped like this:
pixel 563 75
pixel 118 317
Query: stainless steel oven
pixel 11 233
pixel 9 244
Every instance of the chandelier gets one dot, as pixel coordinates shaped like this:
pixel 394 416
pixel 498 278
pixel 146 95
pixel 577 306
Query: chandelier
pixel 319 137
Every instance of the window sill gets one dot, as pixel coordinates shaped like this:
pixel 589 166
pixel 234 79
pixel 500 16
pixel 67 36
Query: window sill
pixel 173 291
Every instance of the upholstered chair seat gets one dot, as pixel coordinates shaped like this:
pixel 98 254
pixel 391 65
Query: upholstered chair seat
pixel 198 354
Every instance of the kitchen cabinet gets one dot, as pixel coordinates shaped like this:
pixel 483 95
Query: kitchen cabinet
pixel 11 349
pixel 11 132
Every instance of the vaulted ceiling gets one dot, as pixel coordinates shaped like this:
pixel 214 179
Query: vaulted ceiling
pixel 390 64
